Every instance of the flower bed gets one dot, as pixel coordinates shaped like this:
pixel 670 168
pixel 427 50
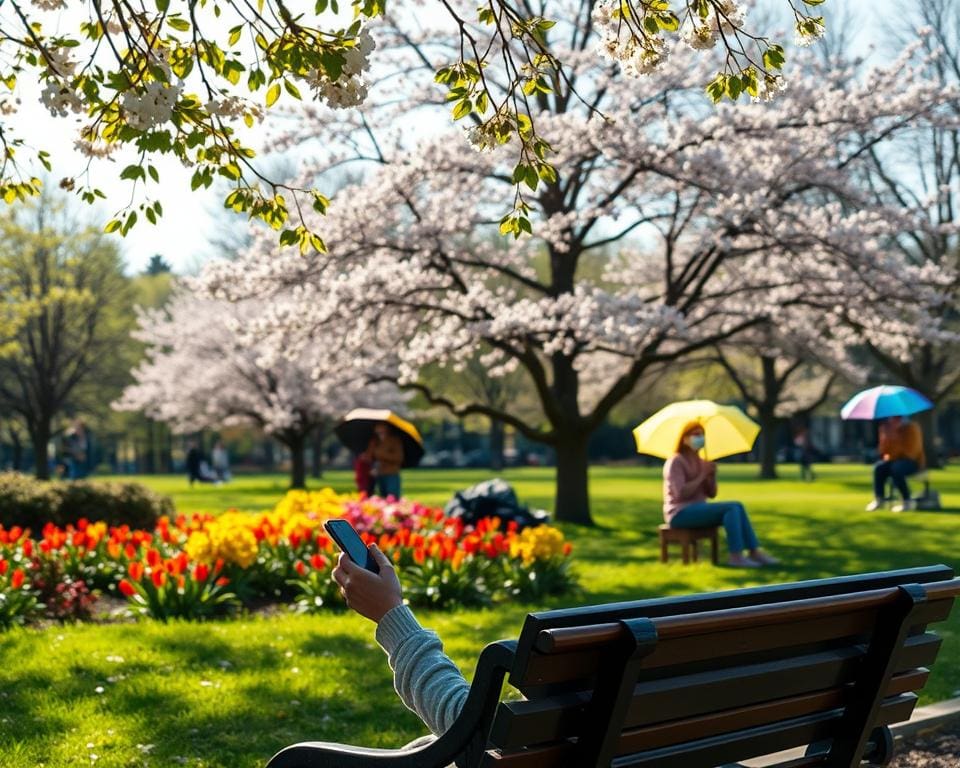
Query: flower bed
pixel 199 565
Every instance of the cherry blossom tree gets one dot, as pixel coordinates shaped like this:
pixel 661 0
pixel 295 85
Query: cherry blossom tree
pixel 717 220
pixel 921 170
pixel 778 378
pixel 202 371
pixel 181 78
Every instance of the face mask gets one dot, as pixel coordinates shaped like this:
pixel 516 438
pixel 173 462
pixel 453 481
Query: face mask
pixel 696 441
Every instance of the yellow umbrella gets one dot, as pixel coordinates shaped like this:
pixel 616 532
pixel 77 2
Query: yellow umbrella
pixel 727 429
pixel 356 429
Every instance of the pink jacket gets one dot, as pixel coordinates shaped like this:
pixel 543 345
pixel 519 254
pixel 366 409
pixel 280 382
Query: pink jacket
pixel 679 471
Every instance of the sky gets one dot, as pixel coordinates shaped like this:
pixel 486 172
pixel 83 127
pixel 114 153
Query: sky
pixel 193 221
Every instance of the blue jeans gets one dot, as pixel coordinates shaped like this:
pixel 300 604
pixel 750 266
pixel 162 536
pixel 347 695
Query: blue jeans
pixel 897 470
pixel 388 485
pixel 730 514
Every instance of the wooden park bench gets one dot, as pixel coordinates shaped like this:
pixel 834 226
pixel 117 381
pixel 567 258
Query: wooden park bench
pixel 697 681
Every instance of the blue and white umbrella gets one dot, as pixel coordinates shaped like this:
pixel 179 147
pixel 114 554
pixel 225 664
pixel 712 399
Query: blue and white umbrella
pixel 883 402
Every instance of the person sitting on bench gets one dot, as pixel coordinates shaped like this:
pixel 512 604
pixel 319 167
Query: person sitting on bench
pixel 901 455
pixel 688 481
pixel 425 678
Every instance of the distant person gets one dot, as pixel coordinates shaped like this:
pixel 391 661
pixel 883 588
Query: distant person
pixel 385 452
pixel 363 473
pixel 688 481
pixel 76 451
pixel 220 460
pixel 197 468
pixel 901 455
pixel 804 448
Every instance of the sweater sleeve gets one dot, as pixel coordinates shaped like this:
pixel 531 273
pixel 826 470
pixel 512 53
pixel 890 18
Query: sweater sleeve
pixel 425 678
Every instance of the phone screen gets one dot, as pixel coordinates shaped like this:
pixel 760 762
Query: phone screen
pixel 350 542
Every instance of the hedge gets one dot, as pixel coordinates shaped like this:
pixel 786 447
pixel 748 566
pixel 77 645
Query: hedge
pixel 31 503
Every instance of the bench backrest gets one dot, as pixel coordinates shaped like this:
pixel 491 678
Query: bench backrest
pixel 702 680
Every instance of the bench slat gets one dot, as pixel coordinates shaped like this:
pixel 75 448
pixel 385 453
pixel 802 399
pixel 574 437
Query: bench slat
pixel 708 752
pixel 579 666
pixel 688 695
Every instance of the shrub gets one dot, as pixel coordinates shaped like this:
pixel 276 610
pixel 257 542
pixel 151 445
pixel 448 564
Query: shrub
pixel 32 503
pixel 18 603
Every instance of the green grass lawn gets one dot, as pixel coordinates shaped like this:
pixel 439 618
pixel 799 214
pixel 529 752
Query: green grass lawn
pixel 228 694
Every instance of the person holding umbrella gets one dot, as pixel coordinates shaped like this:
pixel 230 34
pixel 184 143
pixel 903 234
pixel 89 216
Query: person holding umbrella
pixel 901 454
pixel 688 435
pixel 900 443
pixel 385 453
pixel 384 440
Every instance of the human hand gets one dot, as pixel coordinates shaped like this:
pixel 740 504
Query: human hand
pixel 370 594
pixel 709 468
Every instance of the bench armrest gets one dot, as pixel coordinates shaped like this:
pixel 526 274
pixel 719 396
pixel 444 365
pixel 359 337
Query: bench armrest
pixel 465 738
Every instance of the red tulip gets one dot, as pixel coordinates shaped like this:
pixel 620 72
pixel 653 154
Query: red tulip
pixel 16 580
pixel 300 568
pixel 126 588
pixel 159 578
pixel 201 572
pixel 135 569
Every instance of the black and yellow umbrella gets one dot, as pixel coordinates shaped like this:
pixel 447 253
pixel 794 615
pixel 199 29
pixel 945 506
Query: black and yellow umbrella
pixel 356 431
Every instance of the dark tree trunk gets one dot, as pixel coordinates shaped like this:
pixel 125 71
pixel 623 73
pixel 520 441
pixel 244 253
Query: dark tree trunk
pixel 150 463
pixel 297 444
pixel 40 438
pixel 927 422
pixel 572 504
pixel 166 458
pixel 16 457
pixel 316 469
pixel 772 387
pixel 496 444
pixel 768 445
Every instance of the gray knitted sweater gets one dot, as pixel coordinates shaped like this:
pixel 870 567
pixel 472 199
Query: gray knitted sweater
pixel 428 682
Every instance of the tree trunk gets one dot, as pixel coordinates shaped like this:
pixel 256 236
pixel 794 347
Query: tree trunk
pixel 572 503
pixel 316 469
pixel 40 437
pixel 927 421
pixel 16 458
pixel 768 445
pixel 297 444
pixel 150 464
pixel 496 444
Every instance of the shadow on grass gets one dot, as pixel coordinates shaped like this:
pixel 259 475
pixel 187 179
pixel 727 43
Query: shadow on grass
pixel 264 706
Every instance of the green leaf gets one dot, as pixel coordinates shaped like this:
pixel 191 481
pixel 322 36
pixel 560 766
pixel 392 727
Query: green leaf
pixel 181 25
pixel 273 94
pixel 463 108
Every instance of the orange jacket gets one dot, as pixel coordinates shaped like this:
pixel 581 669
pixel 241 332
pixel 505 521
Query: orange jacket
pixel 902 442
pixel 386 454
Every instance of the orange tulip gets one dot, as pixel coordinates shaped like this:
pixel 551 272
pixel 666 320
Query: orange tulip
pixel 135 569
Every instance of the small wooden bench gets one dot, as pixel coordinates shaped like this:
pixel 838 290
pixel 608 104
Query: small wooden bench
pixel 696 681
pixel 687 538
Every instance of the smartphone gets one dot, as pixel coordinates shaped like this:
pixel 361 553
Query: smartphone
pixel 345 537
